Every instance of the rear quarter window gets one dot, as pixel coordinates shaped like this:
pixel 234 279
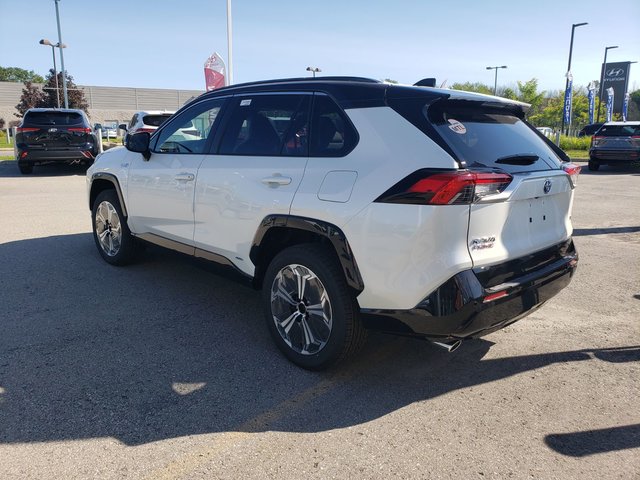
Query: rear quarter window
pixel 484 137
pixel 53 118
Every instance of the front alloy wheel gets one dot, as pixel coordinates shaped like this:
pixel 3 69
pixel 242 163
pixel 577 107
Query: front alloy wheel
pixel 110 231
pixel 301 309
pixel 108 228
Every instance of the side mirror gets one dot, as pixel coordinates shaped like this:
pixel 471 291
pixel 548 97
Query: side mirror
pixel 123 126
pixel 139 142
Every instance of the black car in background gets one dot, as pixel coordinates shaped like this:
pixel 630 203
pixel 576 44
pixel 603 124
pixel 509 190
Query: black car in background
pixel 615 143
pixel 589 130
pixel 48 135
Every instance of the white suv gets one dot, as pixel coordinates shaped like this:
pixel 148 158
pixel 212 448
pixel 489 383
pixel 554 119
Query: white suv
pixel 353 204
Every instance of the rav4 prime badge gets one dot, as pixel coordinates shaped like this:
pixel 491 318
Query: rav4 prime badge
pixel 482 243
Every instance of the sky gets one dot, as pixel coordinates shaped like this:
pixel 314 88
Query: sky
pixel 164 43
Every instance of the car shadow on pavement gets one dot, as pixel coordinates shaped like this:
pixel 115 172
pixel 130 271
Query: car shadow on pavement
pixel 590 442
pixel 577 232
pixel 163 349
pixel 9 168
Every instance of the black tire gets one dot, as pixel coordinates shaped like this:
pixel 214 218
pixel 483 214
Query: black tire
pixel 110 230
pixel 593 166
pixel 341 336
pixel 25 168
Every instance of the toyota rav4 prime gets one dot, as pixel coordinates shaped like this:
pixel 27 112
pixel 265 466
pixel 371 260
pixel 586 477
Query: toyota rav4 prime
pixel 353 205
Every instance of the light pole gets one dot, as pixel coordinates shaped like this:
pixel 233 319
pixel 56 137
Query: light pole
pixel 44 41
pixel 573 27
pixel 604 73
pixel 229 44
pixel 495 83
pixel 314 70
pixel 64 72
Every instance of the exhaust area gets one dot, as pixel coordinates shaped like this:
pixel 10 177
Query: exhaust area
pixel 449 347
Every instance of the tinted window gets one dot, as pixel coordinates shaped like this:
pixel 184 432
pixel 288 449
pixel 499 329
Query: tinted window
pixel 190 130
pixel 268 125
pixel 619 130
pixel 332 135
pixel 493 138
pixel 53 118
pixel 155 120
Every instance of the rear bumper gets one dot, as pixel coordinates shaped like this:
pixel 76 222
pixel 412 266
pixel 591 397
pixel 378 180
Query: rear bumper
pixel 614 156
pixel 472 304
pixel 41 156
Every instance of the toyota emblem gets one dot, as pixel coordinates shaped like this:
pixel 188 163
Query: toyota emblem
pixel 547 186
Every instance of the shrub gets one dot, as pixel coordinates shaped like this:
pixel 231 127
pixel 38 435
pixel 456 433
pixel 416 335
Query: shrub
pixel 574 143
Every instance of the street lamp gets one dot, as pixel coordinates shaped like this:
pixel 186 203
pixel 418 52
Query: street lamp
pixel 314 70
pixel 64 72
pixel 604 72
pixel 495 83
pixel 44 41
pixel 573 27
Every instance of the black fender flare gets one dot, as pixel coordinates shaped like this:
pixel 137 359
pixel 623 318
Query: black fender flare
pixel 331 232
pixel 110 177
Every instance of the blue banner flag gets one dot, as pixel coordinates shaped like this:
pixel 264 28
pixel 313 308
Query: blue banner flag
pixel 567 100
pixel 609 103
pixel 625 107
pixel 592 102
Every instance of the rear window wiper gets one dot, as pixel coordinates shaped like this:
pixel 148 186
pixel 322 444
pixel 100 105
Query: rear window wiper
pixel 518 159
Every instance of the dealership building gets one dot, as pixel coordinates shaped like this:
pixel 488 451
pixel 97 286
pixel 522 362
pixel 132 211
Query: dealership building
pixel 106 104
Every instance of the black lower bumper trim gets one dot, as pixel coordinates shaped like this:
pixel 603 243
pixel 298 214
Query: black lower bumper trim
pixel 463 307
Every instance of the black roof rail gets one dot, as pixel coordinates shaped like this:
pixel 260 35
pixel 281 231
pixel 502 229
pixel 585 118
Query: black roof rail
pixel 302 79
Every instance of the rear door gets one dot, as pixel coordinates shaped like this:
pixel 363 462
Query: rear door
pixel 55 130
pixel 534 211
pixel 259 165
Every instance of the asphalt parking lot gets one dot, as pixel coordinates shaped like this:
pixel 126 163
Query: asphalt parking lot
pixel 165 370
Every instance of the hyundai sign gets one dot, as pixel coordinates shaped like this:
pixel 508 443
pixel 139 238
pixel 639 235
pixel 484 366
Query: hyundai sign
pixel 615 76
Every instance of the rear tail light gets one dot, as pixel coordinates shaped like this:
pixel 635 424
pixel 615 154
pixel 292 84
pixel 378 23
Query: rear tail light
pixel 80 129
pixel 460 187
pixel 26 129
pixel 573 171
pixel 595 141
pixel 148 130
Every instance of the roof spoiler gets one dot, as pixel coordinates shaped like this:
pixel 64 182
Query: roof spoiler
pixel 425 82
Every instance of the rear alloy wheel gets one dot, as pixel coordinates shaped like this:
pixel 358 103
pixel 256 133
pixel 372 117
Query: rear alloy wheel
pixel 593 165
pixel 25 168
pixel 310 311
pixel 110 231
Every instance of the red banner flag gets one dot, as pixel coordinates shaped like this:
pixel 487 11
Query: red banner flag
pixel 214 72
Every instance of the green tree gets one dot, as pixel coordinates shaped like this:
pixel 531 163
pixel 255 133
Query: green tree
pixel 15 74
pixel 75 95
pixel 32 97
pixel 473 87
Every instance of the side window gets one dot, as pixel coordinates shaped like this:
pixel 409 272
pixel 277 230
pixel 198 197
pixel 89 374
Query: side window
pixel 268 125
pixel 332 134
pixel 133 121
pixel 189 131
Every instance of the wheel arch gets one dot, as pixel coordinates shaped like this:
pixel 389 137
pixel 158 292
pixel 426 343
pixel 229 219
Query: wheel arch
pixel 106 181
pixel 277 232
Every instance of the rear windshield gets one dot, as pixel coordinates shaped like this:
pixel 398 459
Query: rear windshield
pixel 619 130
pixel 491 138
pixel 53 118
pixel 155 120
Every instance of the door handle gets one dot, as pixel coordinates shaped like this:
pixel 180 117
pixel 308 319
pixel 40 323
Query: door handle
pixel 185 177
pixel 276 180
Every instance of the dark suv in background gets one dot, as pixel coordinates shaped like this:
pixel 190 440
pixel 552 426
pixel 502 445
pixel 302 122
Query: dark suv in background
pixel 48 135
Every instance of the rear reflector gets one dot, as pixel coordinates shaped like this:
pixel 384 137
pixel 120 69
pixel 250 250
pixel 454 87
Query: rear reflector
pixel 458 187
pixel 573 171
pixel 494 296
pixel 26 129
